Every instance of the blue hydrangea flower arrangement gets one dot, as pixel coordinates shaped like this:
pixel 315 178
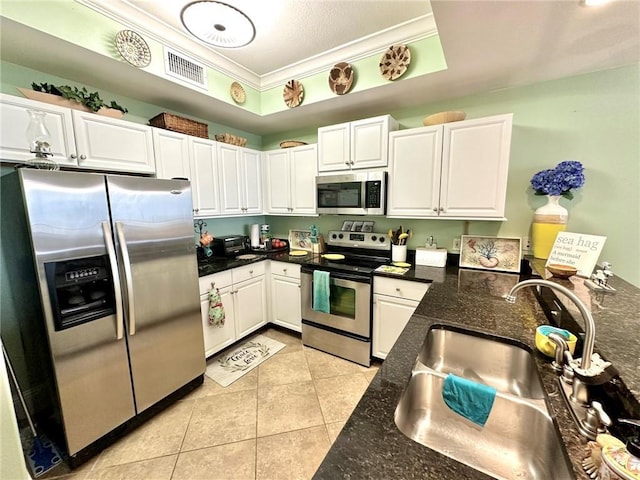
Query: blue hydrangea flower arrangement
pixel 560 180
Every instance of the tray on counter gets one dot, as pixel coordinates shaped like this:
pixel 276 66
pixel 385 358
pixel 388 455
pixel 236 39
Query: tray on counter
pixel 272 250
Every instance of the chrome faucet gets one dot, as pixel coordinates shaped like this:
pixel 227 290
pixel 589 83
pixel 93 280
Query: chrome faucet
pixel 590 419
pixel 589 324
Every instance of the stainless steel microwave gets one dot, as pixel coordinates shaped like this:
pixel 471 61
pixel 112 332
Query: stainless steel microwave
pixel 362 193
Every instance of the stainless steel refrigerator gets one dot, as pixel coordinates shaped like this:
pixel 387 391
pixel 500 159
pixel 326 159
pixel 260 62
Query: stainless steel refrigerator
pixel 100 291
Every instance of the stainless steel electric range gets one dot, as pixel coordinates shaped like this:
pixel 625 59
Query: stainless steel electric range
pixel 345 330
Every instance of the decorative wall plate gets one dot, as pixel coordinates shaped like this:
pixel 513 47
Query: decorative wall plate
pixel 293 93
pixel 133 48
pixel 341 78
pixel 395 62
pixel 237 93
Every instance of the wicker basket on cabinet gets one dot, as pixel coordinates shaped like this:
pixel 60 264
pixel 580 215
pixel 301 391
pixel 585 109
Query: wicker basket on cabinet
pixel 175 123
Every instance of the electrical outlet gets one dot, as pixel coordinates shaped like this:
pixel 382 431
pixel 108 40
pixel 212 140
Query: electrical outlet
pixel 526 245
pixel 456 244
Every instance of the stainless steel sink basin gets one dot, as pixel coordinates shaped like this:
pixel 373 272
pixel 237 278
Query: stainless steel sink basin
pixel 507 367
pixel 519 440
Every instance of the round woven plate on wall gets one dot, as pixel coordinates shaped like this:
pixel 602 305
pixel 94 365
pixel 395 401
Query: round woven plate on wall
pixel 237 93
pixel 395 62
pixel 133 48
pixel 341 78
pixel 293 93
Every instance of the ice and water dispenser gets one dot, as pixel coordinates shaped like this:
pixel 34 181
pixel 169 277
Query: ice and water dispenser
pixel 81 290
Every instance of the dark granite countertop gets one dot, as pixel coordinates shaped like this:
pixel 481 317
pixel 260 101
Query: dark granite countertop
pixel 213 265
pixel 371 446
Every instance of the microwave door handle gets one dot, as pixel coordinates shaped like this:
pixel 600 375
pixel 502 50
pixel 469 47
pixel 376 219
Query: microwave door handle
pixel 115 276
pixel 126 263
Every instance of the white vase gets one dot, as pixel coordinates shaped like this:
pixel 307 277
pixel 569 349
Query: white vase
pixel 548 221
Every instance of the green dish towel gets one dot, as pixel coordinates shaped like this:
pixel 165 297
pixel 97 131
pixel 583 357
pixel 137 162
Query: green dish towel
pixel 321 293
pixel 470 399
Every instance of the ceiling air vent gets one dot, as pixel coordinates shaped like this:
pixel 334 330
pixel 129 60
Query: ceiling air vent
pixel 184 68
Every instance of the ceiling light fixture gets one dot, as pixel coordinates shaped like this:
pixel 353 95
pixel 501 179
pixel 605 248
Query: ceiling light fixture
pixel 218 24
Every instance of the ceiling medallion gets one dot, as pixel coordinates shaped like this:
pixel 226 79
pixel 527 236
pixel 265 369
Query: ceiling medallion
pixel 341 78
pixel 395 62
pixel 218 24
pixel 293 93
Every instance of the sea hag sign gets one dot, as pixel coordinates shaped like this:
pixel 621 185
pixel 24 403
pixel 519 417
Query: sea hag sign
pixel 577 250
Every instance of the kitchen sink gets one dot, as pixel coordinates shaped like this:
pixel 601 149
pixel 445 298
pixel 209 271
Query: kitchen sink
pixel 507 367
pixel 519 440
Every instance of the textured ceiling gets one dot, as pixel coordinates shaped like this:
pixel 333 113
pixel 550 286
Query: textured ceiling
pixel 290 31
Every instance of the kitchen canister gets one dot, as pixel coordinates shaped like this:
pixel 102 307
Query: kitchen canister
pixel 548 221
pixel 398 253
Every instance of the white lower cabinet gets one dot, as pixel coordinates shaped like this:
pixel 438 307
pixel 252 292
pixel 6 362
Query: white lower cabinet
pixel 286 308
pixel 394 301
pixel 244 298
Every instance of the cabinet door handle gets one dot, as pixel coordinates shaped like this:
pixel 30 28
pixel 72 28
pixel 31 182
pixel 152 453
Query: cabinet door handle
pixel 435 209
pixel 284 270
pixel 352 162
pixel 83 157
pixel 441 209
pixel 398 289
pixel 250 272
pixel 346 163
pixel 74 156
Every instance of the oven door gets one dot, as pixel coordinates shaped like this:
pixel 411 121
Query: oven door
pixel 349 299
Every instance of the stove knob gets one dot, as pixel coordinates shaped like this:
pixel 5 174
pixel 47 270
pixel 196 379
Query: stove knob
pixel 382 239
pixel 333 236
pixel 340 236
pixel 373 238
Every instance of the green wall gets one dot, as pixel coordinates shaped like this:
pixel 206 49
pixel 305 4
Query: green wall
pixel 593 118
pixel 13 76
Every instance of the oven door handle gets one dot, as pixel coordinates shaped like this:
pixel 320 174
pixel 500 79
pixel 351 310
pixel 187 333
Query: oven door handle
pixel 341 275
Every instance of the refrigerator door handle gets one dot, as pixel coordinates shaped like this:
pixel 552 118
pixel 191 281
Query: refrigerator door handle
pixel 126 263
pixel 111 251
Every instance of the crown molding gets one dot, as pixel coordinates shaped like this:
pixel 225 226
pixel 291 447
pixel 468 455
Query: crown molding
pixel 407 32
pixel 136 19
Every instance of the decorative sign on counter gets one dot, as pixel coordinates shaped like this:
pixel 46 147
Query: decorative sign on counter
pixel 577 250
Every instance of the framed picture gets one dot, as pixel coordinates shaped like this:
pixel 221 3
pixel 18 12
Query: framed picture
pixel 357 226
pixel 368 226
pixel 300 240
pixel 346 226
pixel 499 254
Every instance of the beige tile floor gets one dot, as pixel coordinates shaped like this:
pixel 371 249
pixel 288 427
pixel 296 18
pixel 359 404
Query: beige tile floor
pixel 276 422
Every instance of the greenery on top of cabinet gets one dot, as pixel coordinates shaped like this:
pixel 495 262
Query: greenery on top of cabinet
pixel 90 100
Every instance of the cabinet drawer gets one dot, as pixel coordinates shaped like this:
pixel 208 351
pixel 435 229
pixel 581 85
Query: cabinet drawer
pixel 247 272
pixel 284 269
pixel 400 288
pixel 222 279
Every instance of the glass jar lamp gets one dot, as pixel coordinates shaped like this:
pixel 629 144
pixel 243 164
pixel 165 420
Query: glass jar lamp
pixel 39 140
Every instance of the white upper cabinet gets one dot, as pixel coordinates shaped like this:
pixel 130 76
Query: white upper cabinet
pixel 205 183
pixel 78 139
pixel 106 143
pixel 456 170
pixel 240 180
pixel 290 180
pixel 172 154
pixel 14 120
pixel 360 144
pixel 414 172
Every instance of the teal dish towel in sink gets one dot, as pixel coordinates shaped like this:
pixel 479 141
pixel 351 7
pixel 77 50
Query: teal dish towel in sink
pixel 321 292
pixel 470 399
